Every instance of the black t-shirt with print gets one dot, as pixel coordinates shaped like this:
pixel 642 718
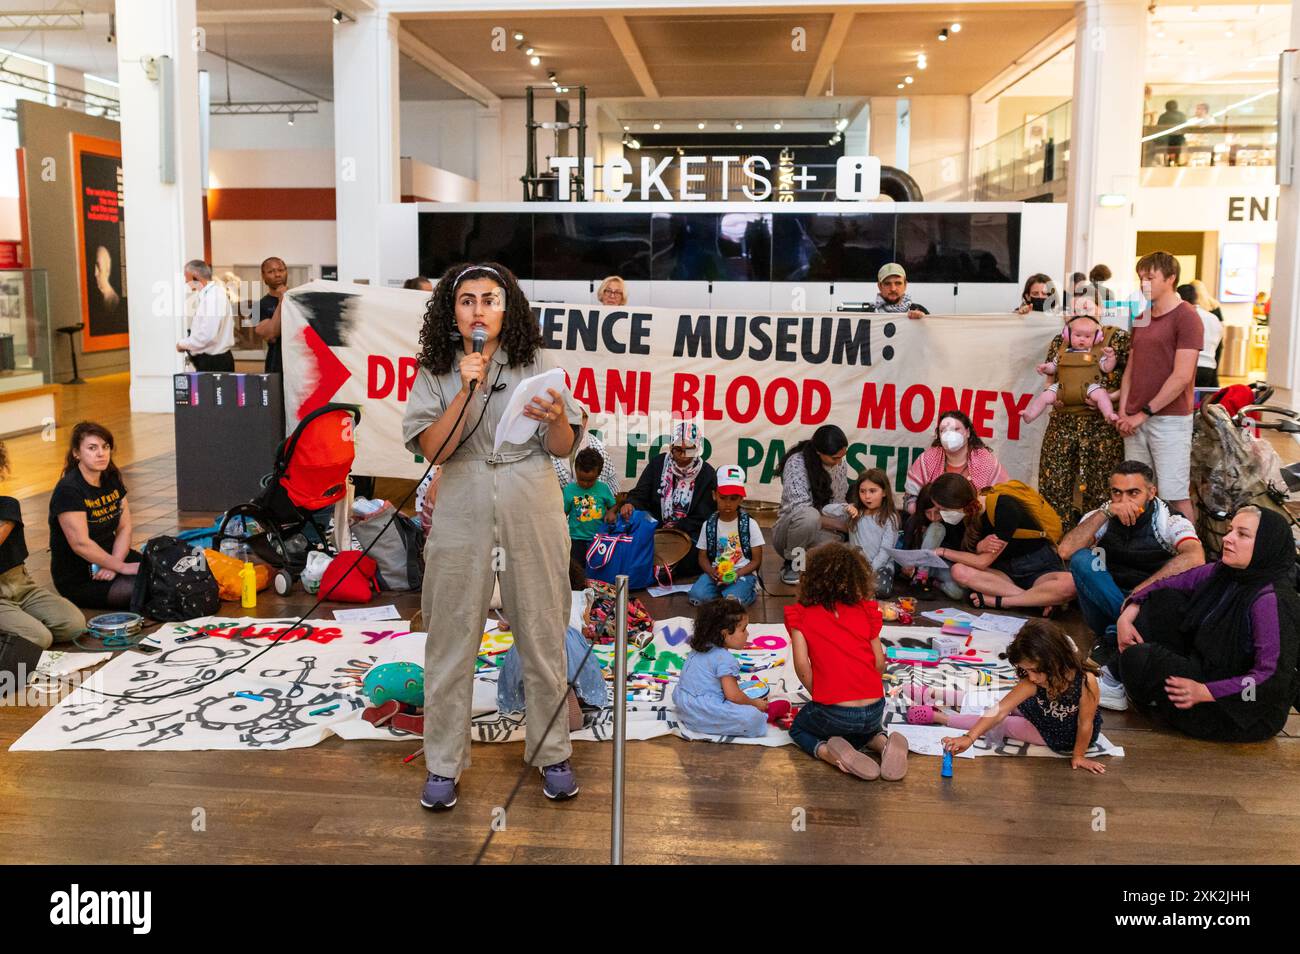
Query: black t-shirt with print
pixel 13 552
pixel 102 506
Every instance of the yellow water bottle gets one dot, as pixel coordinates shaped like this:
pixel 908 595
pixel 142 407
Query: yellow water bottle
pixel 248 588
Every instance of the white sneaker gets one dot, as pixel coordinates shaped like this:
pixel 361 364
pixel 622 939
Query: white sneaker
pixel 1113 696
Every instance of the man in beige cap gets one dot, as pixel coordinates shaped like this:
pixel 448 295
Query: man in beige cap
pixel 893 297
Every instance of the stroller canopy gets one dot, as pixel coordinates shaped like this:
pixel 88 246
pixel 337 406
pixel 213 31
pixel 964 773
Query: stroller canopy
pixel 313 463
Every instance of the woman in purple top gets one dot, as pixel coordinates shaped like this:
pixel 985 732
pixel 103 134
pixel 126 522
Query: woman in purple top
pixel 1214 648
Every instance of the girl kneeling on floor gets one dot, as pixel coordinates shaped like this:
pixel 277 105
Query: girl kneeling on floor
pixel 708 697
pixel 835 634
pixel 1054 704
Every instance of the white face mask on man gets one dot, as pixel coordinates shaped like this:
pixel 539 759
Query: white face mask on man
pixel 952 517
pixel 952 440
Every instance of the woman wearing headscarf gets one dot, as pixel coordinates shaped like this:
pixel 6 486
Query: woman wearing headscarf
pixel 957 449
pixel 1214 648
pixel 813 475
pixel 676 488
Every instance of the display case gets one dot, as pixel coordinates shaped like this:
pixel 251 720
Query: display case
pixel 26 348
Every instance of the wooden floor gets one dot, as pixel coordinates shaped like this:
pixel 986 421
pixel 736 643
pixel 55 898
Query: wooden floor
pixel 1170 800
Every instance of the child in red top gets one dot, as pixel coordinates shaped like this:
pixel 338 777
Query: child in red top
pixel 835 634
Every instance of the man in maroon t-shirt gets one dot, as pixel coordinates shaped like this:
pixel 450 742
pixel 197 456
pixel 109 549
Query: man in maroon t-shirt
pixel 1155 403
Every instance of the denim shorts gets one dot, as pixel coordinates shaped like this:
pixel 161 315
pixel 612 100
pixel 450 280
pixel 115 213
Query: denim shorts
pixel 817 722
pixel 1025 570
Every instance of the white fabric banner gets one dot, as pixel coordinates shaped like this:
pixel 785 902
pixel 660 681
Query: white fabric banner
pixel 756 382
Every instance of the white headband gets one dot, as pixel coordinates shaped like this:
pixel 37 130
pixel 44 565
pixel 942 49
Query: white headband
pixel 476 268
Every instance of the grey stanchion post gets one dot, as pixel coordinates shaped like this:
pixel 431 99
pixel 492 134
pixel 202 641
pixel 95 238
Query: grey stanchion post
pixel 620 720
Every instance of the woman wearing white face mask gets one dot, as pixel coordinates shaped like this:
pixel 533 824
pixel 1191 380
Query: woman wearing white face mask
pixel 930 529
pixel 957 449
pixel 1005 559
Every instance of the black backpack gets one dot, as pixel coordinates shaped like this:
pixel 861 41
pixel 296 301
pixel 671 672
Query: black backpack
pixel 174 583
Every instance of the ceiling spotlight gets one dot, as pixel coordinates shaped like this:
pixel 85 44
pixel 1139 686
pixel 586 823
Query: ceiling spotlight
pixel 519 36
pixel 922 62
pixel 900 85
pixel 627 129
pixel 535 60
pixel 529 52
pixel 564 89
pixel 1230 34
pixel 908 80
pixel 956 28
pixel 339 17
pixel 943 36
pixel 636 144
pixel 656 125
pixel 699 125
pixel 291 119
pixel 776 125
pixel 1160 34
pixel 842 125
pixel 740 125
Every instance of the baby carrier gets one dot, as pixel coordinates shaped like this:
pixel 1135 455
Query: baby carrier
pixel 283 524
pixel 1076 371
pixel 1231 467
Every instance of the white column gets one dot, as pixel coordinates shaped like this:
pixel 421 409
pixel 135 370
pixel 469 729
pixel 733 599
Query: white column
pixel 1105 134
pixel 164 221
pixel 367 138
pixel 66 76
pixel 1284 337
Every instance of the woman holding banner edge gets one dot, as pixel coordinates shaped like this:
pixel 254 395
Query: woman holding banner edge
pixel 499 513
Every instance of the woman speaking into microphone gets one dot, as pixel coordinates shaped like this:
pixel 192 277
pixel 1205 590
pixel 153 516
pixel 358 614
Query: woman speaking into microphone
pixel 498 513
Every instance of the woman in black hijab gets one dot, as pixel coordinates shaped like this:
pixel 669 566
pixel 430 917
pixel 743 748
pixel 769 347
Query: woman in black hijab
pixel 1214 648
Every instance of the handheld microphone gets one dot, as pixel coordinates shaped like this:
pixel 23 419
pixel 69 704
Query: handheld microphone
pixel 479 340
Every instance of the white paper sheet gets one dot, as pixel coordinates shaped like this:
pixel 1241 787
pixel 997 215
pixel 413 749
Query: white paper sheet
pixel 366 613
pixel 669 590
pixel 514 427
pixel 924 558
pixel 948 615
pixel 1010 625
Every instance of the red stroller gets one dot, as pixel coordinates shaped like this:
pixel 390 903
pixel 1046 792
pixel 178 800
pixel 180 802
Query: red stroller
pixel 311 474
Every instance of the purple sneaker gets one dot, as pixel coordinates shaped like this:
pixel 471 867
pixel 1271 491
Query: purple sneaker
pixel 558 780
pixel 439 792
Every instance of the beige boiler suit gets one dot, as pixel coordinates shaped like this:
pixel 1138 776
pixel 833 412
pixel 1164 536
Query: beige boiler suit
pixel 500 514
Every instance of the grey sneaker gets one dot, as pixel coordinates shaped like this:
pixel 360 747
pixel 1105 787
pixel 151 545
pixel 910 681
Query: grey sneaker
pixel 789 575
pixel 439 792
pixel 558 780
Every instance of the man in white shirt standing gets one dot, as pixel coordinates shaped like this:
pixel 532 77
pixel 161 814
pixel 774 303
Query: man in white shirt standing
pixel 212 331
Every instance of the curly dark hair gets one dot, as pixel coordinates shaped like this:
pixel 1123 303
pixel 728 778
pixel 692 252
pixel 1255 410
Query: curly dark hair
pixel 588 460
pixel 827 439
pixel 973 441
pixel 440 341
pixel 836 575
pixel 713 620
pixel 1053 653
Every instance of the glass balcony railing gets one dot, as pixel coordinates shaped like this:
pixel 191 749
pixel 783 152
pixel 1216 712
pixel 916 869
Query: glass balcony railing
pixel 1030 158
pixel 1184 128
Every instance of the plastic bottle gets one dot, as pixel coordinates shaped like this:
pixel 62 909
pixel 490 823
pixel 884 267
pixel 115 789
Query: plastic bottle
pixel 946 770
pixel 248 589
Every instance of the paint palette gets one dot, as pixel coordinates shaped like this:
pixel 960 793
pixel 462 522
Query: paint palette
pixel 755 688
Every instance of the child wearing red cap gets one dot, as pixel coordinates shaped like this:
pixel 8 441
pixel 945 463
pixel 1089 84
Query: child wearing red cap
pixel 730 547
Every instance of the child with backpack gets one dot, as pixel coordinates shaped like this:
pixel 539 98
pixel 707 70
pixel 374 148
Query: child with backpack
pixel 1008 554
pixel 730 546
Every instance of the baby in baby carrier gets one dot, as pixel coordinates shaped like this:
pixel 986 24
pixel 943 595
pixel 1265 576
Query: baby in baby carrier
pixel 1085 356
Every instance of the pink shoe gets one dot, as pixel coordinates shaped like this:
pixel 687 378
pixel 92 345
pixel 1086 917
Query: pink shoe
pixel 920 715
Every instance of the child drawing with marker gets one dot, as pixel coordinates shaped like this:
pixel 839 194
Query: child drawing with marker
pixel 1055 703
pixel 708 697
pixel 873 524
pixel 834 627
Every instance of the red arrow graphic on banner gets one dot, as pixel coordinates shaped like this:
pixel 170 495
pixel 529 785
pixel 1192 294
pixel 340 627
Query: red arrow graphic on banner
pixel 330 371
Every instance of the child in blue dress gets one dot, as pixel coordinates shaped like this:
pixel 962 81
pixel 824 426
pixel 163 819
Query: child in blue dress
pixel 708 697
pixel 730 546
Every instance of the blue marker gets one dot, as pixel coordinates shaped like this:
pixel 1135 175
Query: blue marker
pixel 249 695
pixel 946 771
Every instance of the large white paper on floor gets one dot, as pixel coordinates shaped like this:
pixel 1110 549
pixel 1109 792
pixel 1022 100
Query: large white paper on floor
pixel 186 696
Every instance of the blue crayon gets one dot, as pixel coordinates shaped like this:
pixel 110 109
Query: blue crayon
pixel 946 771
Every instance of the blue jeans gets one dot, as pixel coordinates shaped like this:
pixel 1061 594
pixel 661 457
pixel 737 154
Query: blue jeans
pixel 1100 597
pixel 744 590
pixel 817 722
